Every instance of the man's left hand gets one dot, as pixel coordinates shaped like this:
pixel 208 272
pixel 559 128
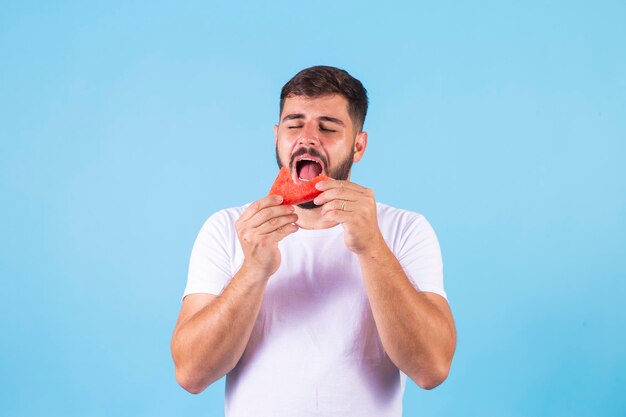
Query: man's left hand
pixel 354 207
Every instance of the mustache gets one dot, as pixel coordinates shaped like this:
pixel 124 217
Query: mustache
pixel 310 151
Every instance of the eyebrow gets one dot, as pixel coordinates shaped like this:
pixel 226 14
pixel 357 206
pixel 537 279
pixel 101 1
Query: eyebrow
pixel 293 116
pixel 331 119
pixel 296 116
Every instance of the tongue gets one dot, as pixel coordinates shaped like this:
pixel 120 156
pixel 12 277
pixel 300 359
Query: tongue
pixel 310 170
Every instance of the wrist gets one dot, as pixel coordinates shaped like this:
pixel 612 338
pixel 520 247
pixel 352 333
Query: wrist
pixel 253 274
pixel 377 248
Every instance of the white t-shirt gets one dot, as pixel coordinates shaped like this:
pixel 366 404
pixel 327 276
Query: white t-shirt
pixel 314 349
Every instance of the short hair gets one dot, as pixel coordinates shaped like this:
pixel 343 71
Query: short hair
pixel 322 80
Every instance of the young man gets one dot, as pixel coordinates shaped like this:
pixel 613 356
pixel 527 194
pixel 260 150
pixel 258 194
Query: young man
pixel 320 309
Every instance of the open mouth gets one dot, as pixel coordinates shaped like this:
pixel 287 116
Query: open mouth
pixel 306 168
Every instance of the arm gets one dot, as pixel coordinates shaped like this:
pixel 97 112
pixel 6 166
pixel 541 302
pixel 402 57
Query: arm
pixel 416 328
pixel 212 331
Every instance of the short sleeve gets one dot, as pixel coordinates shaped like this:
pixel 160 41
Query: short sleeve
pixel 420 256
pixel 211 257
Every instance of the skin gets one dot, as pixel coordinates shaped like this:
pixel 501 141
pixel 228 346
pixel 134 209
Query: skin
pixel 416 328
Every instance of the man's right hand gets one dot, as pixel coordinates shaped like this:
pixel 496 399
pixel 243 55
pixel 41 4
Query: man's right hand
pixel 212 331
pixel 261 226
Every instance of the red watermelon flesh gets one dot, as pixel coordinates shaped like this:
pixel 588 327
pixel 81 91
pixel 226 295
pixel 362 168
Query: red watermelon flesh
pixel 296 193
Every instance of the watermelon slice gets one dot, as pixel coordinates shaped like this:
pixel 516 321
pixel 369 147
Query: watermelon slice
pixel 295 193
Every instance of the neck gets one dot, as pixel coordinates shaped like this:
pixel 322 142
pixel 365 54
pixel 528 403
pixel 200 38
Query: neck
pixel 312 219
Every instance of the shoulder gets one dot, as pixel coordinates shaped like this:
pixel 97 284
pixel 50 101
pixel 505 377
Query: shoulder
pixel 399 226
pixel 227 216
pixel 221 224
pixel 393 216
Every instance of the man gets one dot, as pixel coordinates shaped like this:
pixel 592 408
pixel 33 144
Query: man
pixel 320 309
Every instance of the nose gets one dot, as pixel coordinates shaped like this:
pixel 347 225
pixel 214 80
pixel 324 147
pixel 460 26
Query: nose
pixel 309 135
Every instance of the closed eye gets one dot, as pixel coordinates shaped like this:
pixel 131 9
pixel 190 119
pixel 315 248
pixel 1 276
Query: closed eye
pixel 294 127
pixel 325 129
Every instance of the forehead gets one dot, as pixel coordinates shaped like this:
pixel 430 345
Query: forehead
pixel 333 105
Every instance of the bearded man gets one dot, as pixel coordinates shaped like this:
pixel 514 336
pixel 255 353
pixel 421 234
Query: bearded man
pixel 319 309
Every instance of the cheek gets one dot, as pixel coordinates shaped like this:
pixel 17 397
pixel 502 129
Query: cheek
pixel 285 138
pixel 283 150
pixel 336 152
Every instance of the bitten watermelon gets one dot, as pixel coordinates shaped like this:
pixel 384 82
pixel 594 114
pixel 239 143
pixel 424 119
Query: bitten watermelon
pixel 295 193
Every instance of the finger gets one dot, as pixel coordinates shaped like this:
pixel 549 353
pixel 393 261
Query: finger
pixel 341 184
pixel 340 205
pixel 337 194
pixel 267 201
pixel 276 223
pixel 337 216
pixel 284 231
pixel 268 213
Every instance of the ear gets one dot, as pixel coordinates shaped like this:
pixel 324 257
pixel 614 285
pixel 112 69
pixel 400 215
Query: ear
pixel 360 143
pixel 275 135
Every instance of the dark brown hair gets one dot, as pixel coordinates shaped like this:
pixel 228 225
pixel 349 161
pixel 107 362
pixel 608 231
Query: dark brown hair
pixel 321 80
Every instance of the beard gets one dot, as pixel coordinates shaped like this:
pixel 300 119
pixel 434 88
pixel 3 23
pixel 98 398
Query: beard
pixel 340 172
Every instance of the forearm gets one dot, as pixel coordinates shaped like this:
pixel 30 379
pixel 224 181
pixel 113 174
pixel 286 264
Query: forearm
pixel 210 343
pixel 416 334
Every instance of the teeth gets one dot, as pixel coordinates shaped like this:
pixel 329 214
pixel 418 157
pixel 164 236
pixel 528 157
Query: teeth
pixel 303 179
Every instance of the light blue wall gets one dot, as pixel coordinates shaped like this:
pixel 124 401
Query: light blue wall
pixel 123 125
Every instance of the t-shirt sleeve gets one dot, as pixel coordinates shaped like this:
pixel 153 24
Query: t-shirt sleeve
pixel 420 256
pixel 210 262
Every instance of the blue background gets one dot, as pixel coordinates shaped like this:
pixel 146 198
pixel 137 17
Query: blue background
pixel 123 125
